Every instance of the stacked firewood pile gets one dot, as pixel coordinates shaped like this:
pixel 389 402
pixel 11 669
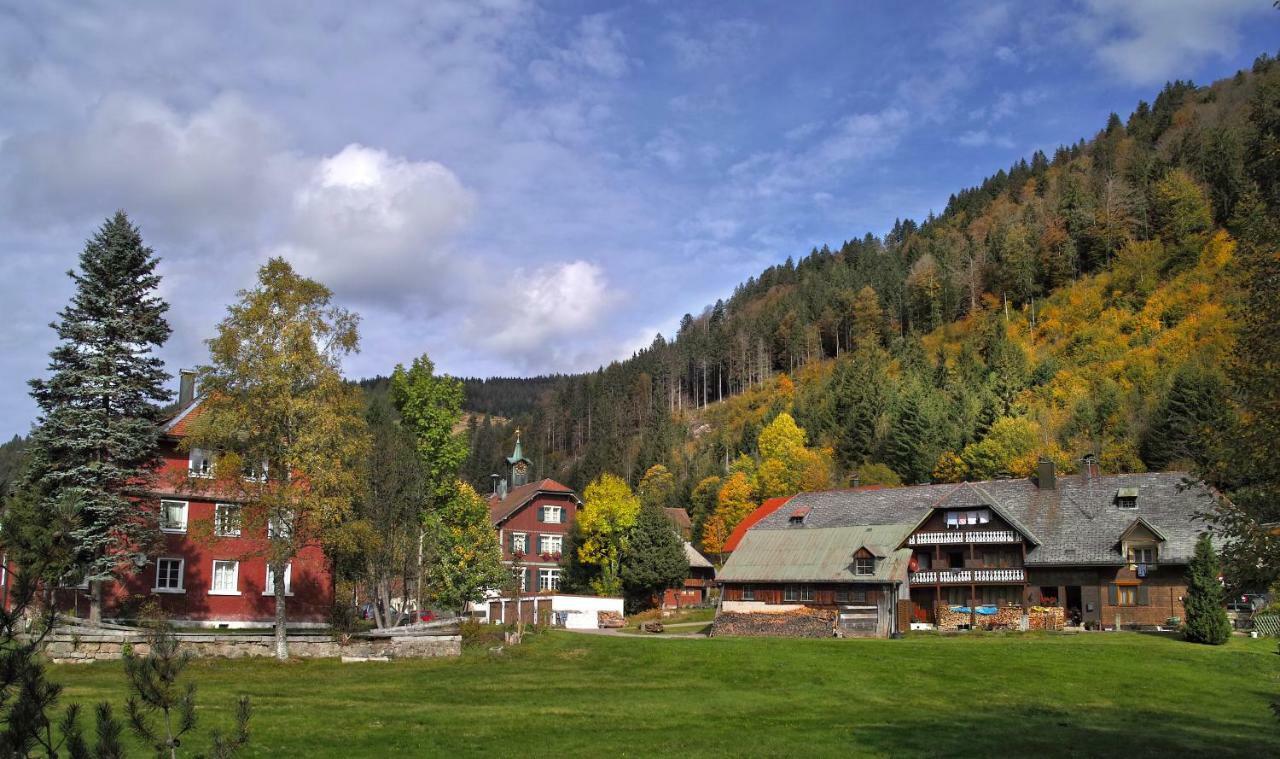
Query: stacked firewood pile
pixel 610 619
pixel 798 623
pixel 1005 618
pixel 1046 618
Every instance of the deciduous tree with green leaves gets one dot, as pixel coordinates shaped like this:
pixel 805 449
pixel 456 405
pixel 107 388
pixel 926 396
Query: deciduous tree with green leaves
pixel 465 558
pixel 609 511
pixel 290 431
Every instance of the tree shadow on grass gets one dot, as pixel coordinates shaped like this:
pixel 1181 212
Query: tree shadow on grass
pixel 1045 731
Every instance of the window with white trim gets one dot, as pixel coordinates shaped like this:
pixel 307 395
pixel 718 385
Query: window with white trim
pixel 200 463
pixel 173 516
pixel 548 579
pixel 1143 555
pixel 270 585
pixel 519 542
pixel 256 473
pixel 226 520
pixel 522 575
pixel 226 578
pixel 280 526
pixel 169 575
pixel 748 593
pixel 864 565
pixel 553 514
pixel 550 543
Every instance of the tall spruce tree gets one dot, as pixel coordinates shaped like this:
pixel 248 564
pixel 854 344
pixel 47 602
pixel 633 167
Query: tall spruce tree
pixel 96 438
pixel 1206 613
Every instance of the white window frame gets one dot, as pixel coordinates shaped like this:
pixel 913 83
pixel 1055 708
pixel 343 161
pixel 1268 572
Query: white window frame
pixel 268 587
pixel 273 529
pixel 558 511
pixel 857 566
pixel 219 524
pixel 205 469
pixel 182 576
pixel 549 579
pixel 547 539
pixel 1137 558
pixel 186 510
pixel 235 578
pixel 748 593
pixel 256 474
pixel 523 574
pixel 523 539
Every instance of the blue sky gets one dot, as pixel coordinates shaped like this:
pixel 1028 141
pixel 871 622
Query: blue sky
pixel 516 187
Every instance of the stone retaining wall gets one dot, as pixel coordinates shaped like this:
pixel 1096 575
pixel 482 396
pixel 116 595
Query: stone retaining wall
pixel 65 647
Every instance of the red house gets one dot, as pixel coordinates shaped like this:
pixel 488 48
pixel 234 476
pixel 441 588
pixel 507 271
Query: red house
pixel 533 520
pixel 211 571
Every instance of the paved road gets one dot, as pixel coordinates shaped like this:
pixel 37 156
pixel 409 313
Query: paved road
pixel 631 632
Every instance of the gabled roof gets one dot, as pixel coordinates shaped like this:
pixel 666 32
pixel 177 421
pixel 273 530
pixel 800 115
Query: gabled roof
pixel 970 495
pixel 179 424
pixel 1144 523
pixel 817 555
pixel 763 510
pixel 696 559
pixel 680 518
pixel 501 509
pixel 1075 523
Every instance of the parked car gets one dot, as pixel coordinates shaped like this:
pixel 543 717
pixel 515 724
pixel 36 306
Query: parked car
pixel 419 615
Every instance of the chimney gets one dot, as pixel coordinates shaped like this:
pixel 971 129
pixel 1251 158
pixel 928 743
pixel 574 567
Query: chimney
pixel 1046 476
pixel 1089 468
pixel 493 479
pixel 186 387
pixel 502 488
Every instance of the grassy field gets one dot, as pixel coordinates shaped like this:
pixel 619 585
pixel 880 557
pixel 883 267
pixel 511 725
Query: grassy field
pixel 572 694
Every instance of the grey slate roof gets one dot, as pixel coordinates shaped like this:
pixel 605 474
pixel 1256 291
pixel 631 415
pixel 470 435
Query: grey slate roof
pixel 1076 523
pixel 816 555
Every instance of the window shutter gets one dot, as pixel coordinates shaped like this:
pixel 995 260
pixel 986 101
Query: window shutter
pixel 1144 597
pixel 1113 596
pixel 539 510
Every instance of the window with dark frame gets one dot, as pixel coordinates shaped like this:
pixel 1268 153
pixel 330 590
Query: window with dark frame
pixel 806 592
pixel 842 595
pixel 748 593
pixel 858 596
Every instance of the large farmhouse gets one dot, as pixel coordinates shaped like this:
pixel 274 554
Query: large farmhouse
pixel 1110 551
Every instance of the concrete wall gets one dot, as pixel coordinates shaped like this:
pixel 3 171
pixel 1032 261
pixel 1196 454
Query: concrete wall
pixel 69 648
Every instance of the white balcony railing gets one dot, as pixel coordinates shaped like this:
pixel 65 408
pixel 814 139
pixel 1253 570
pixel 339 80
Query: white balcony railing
pixel 963 536
pixel 953 576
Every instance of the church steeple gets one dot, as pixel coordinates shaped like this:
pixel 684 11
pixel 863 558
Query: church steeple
pixel 519 464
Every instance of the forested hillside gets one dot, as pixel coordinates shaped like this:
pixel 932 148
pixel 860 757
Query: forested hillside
pixel 1075 303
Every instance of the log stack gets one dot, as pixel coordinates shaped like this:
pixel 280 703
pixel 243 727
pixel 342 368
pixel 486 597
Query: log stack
pixel 798 623
pixel 610 619
pixel 1046 618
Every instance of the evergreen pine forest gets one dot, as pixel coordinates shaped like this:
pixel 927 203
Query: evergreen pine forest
pixel 1084 302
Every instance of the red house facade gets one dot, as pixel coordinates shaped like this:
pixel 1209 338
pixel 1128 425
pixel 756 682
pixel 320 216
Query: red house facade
pixel 210 570
pixel 533 521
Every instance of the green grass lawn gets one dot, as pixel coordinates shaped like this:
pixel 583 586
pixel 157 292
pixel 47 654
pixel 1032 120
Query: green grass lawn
pixel 571 694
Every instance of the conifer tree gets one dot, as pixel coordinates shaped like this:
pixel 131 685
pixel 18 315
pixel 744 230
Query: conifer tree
pixel 1205 601
pixel 97 435
pixel 654 557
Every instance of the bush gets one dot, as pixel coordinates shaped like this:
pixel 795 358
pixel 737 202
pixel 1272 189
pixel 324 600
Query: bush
pixel 476 634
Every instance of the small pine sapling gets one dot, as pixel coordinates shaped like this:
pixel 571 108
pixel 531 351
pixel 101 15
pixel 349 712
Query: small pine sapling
pixel 153 680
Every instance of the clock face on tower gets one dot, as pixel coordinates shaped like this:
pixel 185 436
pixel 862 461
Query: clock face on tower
pixel 521 468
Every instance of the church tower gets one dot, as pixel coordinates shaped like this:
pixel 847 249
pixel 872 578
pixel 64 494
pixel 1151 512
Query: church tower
pixel 519 465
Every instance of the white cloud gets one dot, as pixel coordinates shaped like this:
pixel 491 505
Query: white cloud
pixel 595 46
pixel 977 138
pixel 535 310
pixel 377 225
pixel 723 42
pixel 216 166
pixel 1150 41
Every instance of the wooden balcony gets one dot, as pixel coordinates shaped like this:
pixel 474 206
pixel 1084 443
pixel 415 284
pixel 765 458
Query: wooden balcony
pixel 952 537
pixel 967 576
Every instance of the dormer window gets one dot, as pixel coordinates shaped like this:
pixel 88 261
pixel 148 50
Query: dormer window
pixel 796 519
pixel 864 566
pixel 1127 498
pixel 200 463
